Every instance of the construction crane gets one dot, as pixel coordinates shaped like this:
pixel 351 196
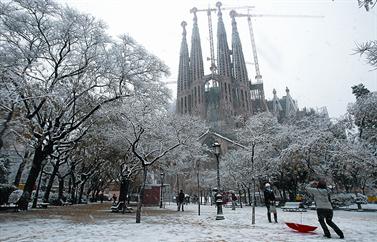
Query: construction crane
pixel 209 11
pixel 257 88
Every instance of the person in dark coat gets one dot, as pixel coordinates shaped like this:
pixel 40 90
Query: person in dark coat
pixel 234 201
pixel 114 198
pixel 324 208
pixel 269 200
pixel 181 200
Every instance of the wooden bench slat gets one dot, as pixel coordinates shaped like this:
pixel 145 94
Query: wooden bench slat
pixel 293 207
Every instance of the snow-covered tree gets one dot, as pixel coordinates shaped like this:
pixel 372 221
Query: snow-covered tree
pixel 364 111
pixel 144 124
pixel 64 67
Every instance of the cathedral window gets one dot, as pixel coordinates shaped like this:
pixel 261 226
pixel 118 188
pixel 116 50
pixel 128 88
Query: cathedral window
pixel 181 105
pixel 242 99
pixel 198 94
pixel 226 92
pixel 195 97
pixel 185 104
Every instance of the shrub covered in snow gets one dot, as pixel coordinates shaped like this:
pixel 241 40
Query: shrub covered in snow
pixel 346 199
pixel 5 191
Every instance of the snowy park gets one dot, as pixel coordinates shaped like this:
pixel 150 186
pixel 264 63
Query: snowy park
pixel 113 113
pixel 167 224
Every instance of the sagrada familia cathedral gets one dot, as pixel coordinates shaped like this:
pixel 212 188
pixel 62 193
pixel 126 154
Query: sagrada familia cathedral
pixel 227 91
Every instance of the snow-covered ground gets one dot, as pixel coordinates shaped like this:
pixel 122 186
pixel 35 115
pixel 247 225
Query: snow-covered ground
pixel 187 226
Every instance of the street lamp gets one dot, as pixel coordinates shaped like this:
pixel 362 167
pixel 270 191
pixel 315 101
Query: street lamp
pixel 217 151
pixel 162 186
pixel 218 196
pixel 252 171
pixel 197 176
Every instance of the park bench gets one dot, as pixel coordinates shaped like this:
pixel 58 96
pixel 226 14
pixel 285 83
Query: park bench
pixel 42 205
pixel 293 207
pixel 64 203
pixel 12 204
pixel 229 205
pixel 119 207
pixel 9 207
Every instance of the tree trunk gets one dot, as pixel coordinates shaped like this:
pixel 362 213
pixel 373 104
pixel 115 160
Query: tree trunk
pixel 260 196
pixel 5 126
pixel 61 188
pixel 240 196
pixel 249 195
pixel 35 201
pixel 82 185
pixel 51 182
pixel 39 156
pixel 141 196
pixel 73 188
pixel 21 167
pixel 281 196
pixel 123 191
pixel 69 185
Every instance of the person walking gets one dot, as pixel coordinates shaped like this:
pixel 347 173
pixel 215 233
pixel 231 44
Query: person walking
pixel 269 201
pixel 318 190
pixel 181 200
pixel 114 199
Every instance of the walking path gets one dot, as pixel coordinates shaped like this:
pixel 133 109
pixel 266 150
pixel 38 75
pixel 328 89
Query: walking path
pixel 95 222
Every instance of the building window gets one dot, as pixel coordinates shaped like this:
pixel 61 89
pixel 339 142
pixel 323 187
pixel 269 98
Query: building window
pixel 185 104
pixel 181 105
pixel 199 94
pixel 242 99
pixel 195 95
pixel 226 92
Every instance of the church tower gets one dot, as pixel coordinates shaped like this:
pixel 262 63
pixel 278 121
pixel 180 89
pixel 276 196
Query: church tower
pixel 224 93
pixel 184 80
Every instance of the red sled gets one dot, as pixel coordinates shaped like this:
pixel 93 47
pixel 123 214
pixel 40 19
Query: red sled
pixel 302 228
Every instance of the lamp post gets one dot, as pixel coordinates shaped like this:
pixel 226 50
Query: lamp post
pixel 252 170
pixel 197 176
pixel 217 154
pixel 162 187
pixel 218 196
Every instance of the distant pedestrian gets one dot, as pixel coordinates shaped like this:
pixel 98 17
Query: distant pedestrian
pixel 101 197
pixel 114 198
pixel 234 200
pixel 324 208
pixel 181 200
pixel 269 201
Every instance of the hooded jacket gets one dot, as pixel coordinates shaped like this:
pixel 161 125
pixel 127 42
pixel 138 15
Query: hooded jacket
pixel 321 197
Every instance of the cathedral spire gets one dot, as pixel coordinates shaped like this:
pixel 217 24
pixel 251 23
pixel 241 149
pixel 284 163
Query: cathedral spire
pixel 184 62
pixel 239 65
pixel 290 105
pixel 276 106
pixel 223 52
pixel 196 57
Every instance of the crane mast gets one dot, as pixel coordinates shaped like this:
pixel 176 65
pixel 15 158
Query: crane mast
pixel 209 11
pixel 258 76
pixel 257 88
pixel 212 48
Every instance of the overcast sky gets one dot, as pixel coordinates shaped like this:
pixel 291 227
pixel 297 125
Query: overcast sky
pixel 313 57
